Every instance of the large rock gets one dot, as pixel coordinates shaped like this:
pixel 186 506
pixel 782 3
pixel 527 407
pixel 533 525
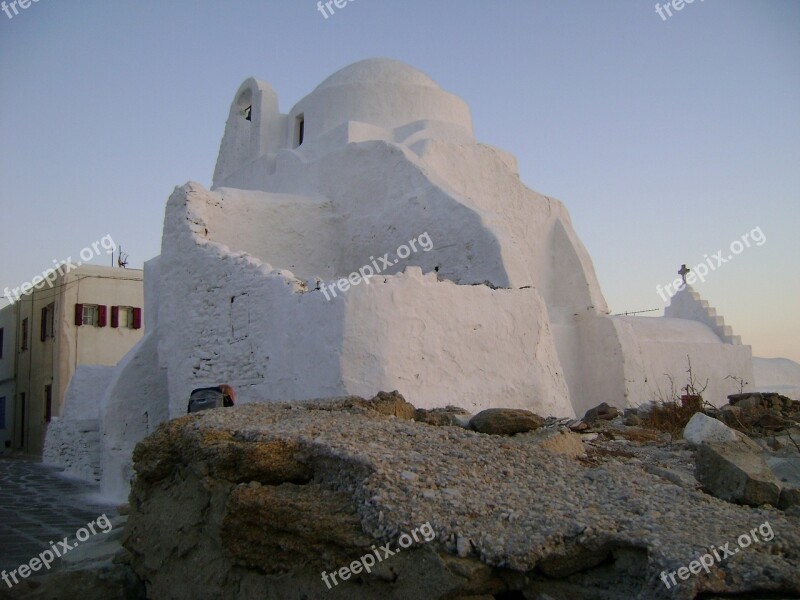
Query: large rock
pixel 449 416
pixel 505 421
pixel 764 413
pixel 601 412
pixel 787 470
pixel 257 501
pixel 765 399
pixel 702 428
pixel 736 473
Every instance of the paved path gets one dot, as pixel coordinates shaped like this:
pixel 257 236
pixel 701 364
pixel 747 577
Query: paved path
pixel 39 504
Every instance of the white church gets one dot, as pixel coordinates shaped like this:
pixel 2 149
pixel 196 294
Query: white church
pixel 501 308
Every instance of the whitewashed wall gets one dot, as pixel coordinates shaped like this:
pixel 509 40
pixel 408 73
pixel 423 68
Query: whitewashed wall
pixel 505 310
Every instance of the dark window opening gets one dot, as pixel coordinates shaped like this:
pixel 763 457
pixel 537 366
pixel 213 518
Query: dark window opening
pixel 300 128
pixel 24 340
pixel 48 402
pixel 244 104
pixel 1 342
pixel 22 407
pixel 48 321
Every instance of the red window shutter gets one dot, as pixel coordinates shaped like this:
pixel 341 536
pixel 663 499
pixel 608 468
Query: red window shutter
pixel 79 314
pixel 101 315
pixel 115 316
pixel 137 318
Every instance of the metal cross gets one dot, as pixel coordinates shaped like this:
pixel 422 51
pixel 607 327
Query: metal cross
pixel 683 273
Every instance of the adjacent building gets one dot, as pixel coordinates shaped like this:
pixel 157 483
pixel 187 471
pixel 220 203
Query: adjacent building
pixel 92 315
pixel 8 328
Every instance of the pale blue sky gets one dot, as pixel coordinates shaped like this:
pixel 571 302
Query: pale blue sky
pixel 665 139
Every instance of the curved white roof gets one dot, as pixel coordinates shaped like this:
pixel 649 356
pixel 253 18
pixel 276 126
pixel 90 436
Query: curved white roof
pixel 374 70
pixel 381 92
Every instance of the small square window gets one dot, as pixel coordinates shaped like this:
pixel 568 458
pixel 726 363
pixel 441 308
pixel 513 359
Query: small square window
pixel 90 314
pixel 126 317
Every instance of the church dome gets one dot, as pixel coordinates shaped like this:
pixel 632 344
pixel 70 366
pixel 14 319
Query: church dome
pixel 380 92
pixel 375 70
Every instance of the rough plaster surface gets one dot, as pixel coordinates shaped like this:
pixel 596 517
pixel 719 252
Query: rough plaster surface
pixel 72 441
pixel 74 445
pixel 656 354
pixel 81 400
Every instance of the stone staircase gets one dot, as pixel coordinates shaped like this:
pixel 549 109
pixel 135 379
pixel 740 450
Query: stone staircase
pixel 687 304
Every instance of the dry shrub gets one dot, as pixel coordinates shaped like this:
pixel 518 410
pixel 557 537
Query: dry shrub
pixel 672 417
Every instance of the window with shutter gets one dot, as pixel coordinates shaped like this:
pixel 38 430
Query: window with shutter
pixel 91 314
pixel 51 320
pixel 24 335
pixel 137 318
pixel 101 315
pixel 48 321
pixel 79 314
pixel 115 316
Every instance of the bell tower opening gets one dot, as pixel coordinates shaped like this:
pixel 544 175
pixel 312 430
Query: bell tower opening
pixel 245 104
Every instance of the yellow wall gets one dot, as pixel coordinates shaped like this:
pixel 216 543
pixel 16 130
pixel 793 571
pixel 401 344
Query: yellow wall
pixel 53 361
